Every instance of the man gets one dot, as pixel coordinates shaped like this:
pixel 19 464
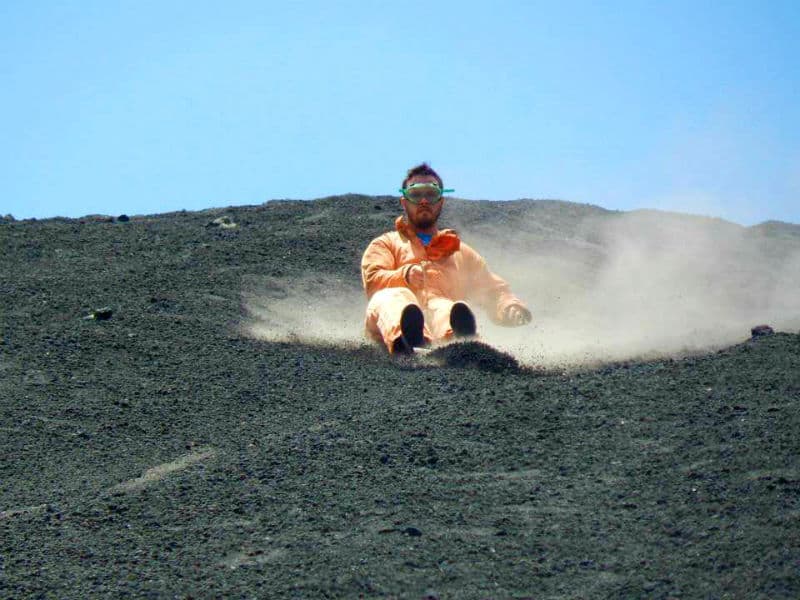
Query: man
pixel 419 278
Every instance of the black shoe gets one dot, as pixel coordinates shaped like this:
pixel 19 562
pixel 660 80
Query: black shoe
pixel 462 321
pixel 411 323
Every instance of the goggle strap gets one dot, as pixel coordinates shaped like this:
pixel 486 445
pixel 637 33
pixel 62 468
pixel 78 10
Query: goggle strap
pixel 404 190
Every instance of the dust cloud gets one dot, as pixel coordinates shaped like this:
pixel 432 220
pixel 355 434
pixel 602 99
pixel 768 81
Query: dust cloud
pixel 642 285
pixel 313 309
pixel 618 286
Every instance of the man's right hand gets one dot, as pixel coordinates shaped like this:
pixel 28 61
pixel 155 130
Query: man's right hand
pixel 415 277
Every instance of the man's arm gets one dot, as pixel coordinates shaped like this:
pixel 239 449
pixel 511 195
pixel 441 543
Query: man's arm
pixel 493 292
pixel 379 268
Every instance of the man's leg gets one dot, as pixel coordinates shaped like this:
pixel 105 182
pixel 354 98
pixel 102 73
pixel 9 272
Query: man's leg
pixel 393 314
pixel 446 319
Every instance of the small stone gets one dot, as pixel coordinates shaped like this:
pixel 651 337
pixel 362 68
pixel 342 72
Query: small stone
pixel 412 531
pixel 761 330
pixel 223 223
pixel 101 314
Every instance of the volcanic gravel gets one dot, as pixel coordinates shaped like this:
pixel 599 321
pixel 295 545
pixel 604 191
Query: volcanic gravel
pixel 149 449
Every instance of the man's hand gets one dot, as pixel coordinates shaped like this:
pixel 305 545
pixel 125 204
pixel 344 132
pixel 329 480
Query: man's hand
pixel 517 315
pixel 415 277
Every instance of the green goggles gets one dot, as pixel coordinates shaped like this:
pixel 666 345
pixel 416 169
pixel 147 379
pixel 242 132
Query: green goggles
pixel 416 192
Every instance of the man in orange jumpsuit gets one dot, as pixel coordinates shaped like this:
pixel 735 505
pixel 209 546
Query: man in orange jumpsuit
pixel 419 277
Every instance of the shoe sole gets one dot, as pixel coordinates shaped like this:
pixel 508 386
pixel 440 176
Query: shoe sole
pixel 462 321
pixel 411 323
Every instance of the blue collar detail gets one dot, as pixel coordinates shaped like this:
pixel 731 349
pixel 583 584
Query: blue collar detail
pixel 425 238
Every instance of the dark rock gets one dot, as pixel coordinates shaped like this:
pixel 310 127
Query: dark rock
pixel 761 330
pixel 101 314
pixel 123 218
pixel 412 532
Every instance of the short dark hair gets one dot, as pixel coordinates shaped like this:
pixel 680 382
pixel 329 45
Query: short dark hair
pixel 422 169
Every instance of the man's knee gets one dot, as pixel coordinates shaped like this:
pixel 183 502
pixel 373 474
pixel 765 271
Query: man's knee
pixel 398 296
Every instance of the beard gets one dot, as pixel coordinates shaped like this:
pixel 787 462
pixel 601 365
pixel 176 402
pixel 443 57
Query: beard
pixel 423 220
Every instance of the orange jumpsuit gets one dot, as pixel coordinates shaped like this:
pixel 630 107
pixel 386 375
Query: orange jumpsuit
pixel 453 272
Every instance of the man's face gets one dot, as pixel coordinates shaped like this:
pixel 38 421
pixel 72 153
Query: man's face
pixel 422 215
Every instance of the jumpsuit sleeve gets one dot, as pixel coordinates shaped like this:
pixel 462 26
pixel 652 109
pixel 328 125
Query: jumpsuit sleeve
pixel 491 291
pixel 379 267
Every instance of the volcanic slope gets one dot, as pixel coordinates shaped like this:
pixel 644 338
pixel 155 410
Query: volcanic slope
pixel 197 444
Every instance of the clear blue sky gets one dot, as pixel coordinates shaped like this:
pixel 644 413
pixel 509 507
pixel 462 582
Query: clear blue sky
pixel 148 107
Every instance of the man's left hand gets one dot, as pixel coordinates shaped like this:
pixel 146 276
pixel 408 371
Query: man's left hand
pixel 517 315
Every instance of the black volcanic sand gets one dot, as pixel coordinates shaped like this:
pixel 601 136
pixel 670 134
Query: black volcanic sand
pixel 160 453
